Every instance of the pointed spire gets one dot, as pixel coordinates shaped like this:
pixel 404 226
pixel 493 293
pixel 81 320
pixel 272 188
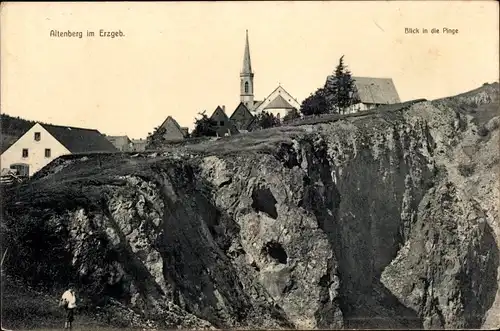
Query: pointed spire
pixel 247 65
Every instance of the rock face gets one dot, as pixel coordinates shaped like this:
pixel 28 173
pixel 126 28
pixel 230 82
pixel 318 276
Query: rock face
pixel 383 221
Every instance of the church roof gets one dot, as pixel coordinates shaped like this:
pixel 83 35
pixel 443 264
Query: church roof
pixel 279 103
pixel 278 99
pixel 247 64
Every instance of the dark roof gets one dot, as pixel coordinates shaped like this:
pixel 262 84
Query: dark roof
pixel 219 114
pixel 279 103
pixel 182 131
pixel 78 140
pixel 242 117
pixel 372 90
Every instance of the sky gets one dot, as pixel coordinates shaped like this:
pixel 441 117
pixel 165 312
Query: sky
pixel 179 59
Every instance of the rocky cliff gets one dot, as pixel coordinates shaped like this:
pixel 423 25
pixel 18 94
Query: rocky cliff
pixel 388 220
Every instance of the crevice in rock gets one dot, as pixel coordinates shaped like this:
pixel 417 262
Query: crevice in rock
pixel 287 155
pixel 263 200
pixel 226 183
pixel 276 251
pixel 290 285
pixel 363 244
pixel 255 266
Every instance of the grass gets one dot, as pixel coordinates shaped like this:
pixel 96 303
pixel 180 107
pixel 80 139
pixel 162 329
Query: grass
pixel 24 308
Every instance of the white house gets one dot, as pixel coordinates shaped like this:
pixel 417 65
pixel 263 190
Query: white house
pixel 43 143
pixel 372 92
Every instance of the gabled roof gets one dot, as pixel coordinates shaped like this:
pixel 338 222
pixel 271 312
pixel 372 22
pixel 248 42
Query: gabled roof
pixel 241 111
pixel 172 120
pixel 278 103
pixel 242 117
pixel 375 90
pixel 219 113
pixel 79 140
pixel 288 101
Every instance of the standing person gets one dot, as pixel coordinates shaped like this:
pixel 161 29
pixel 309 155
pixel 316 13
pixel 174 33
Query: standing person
pixel 68 301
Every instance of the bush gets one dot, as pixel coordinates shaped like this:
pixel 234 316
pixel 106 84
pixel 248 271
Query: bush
pixel 315 104
pixel 267 120
pixel 204 126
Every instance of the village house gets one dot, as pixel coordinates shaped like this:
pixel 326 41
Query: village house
pixel 173 131
pixel 43 143
pixel 139 145
pixel 371 92
pixel 242 118
pixel 279 102
pixel 224 126
pixel 122 143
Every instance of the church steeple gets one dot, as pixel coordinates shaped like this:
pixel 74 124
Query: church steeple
pixel 247 64
pixel 246 78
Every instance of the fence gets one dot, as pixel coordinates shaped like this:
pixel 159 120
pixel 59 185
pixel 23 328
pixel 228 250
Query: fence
pixel 10 179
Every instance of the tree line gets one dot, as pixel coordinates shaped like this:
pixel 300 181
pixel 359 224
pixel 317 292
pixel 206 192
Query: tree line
pixel 334 97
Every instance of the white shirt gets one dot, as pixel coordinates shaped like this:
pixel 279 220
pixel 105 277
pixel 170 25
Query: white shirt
pixel 69 297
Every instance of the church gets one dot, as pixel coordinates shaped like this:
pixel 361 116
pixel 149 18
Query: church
pixel 279 102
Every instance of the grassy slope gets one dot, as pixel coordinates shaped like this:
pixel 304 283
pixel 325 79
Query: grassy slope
pixel 465 103
pixel 32 309
pixel 12 128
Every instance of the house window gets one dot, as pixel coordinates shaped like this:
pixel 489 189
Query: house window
pixel 246 87
pixel 221 123
pixel 47 152
pixel 37 136
pixel 25 152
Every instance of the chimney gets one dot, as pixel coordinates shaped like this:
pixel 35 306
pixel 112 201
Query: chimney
pixel 224 108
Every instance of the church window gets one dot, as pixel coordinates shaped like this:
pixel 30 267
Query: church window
pixel 246 87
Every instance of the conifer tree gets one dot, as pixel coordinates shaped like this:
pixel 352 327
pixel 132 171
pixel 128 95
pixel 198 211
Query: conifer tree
pixel 339 89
